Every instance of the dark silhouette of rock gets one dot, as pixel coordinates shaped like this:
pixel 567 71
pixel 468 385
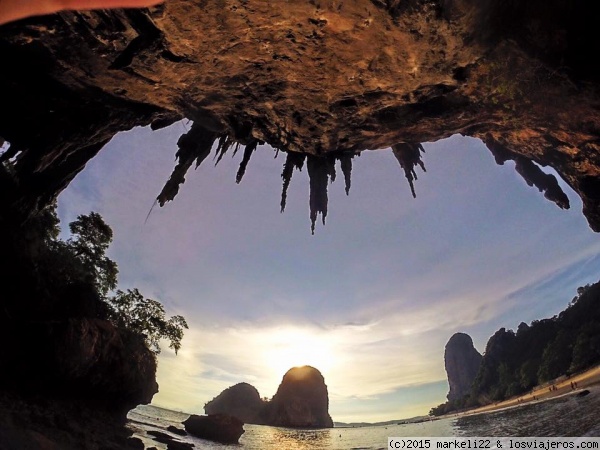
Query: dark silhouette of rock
pixel 176 430
pixel 171 442
pixel 43 422
pixel 174 445
pixel 325 82
pixel 583 393
pixel 462 362
pixel 241 401
pixel 217 427
pixel 301 401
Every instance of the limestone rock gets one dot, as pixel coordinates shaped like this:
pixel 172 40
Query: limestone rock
pixel 462 362
pixel 241 401
pixel 301 400
pixel 321 79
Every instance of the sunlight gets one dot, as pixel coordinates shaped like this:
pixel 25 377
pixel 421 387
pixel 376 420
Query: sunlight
pixel 285 348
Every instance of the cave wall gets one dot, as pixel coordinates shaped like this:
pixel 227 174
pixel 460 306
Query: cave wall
pixel 318 78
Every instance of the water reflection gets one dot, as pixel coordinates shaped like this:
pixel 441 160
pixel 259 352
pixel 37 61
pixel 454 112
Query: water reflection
pixel 299 439
pixel 567 416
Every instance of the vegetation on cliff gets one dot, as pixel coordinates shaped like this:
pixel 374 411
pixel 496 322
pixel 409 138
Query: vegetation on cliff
pixel 82 259
pixel 515 362
pixel 92 345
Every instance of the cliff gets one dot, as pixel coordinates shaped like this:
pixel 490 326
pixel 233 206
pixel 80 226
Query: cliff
pixel 69 376
pixel 516 362
pixel 462 363
pixel 320 81
pixel 241 401
pixel 301 401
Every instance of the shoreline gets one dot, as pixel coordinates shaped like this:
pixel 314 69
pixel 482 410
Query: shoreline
pixel 539 393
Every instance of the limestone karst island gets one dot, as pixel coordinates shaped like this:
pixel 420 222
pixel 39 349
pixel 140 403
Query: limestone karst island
pixel 266 224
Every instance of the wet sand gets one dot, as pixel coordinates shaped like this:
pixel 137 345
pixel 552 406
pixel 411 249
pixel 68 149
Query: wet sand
pixel 541 393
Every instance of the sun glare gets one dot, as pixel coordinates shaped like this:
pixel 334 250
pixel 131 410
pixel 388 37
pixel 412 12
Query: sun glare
pixel 287 348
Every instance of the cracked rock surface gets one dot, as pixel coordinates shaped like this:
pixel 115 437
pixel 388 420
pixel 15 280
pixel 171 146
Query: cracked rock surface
pixel 321 80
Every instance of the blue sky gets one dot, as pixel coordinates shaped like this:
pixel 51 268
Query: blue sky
pixel 371 299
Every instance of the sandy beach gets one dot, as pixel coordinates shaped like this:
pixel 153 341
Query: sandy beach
pixel 561 386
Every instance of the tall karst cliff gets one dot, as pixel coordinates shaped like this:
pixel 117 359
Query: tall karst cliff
pixel 301 401
pixel 462 363
pixel 321 80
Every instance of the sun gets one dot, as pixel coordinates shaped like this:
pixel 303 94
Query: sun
pixel 292 347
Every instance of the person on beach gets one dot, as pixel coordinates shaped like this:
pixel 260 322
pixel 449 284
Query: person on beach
pixel 11 10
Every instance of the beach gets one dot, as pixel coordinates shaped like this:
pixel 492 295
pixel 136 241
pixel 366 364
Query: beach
pixel 560 387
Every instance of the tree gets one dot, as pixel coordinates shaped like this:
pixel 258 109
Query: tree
pixel 556 358
pixel 146 316
pixel 586 351
pixel 82 259
pixel 91 237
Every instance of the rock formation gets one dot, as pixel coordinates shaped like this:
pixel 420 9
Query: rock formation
pixel 322 81
pixel 301 401
pixel 69 376
pixel 462 362
pixel 241 401
pixel 218 428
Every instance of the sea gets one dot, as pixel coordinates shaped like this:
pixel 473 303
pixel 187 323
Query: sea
pixel 570 415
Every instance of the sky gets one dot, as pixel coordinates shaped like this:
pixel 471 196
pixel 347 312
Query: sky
pixel 370 300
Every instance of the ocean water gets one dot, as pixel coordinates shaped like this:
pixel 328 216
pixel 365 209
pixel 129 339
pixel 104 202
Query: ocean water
pixel 565 416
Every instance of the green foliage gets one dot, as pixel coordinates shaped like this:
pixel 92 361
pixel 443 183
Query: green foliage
pixel 82 260
pixel 91 237
pixel 528 374
pixel 145 316
pixel 586 350
pixel 513 363
pixel 438 410
pixel 556 358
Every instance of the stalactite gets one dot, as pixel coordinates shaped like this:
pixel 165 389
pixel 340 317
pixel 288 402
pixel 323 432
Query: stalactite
pixel 225 144
pixel 545 182
pixel 531 173
pixel 318 174
pixel 330 164
pixel 193 146
pixel 409 156
pixel 346 165
pixel 245 160
pixel 293 161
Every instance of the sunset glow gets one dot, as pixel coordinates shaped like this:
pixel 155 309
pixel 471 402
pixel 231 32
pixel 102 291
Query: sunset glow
pixel 290 347
pixel 370 300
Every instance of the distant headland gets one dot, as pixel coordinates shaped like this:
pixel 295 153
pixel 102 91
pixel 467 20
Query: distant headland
pixel 301 401
pixel 544 358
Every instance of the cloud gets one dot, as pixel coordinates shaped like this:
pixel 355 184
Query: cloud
pixel 380 288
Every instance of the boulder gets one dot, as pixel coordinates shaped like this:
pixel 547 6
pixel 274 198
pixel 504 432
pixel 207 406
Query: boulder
pixel 176 430
pixel 216 427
